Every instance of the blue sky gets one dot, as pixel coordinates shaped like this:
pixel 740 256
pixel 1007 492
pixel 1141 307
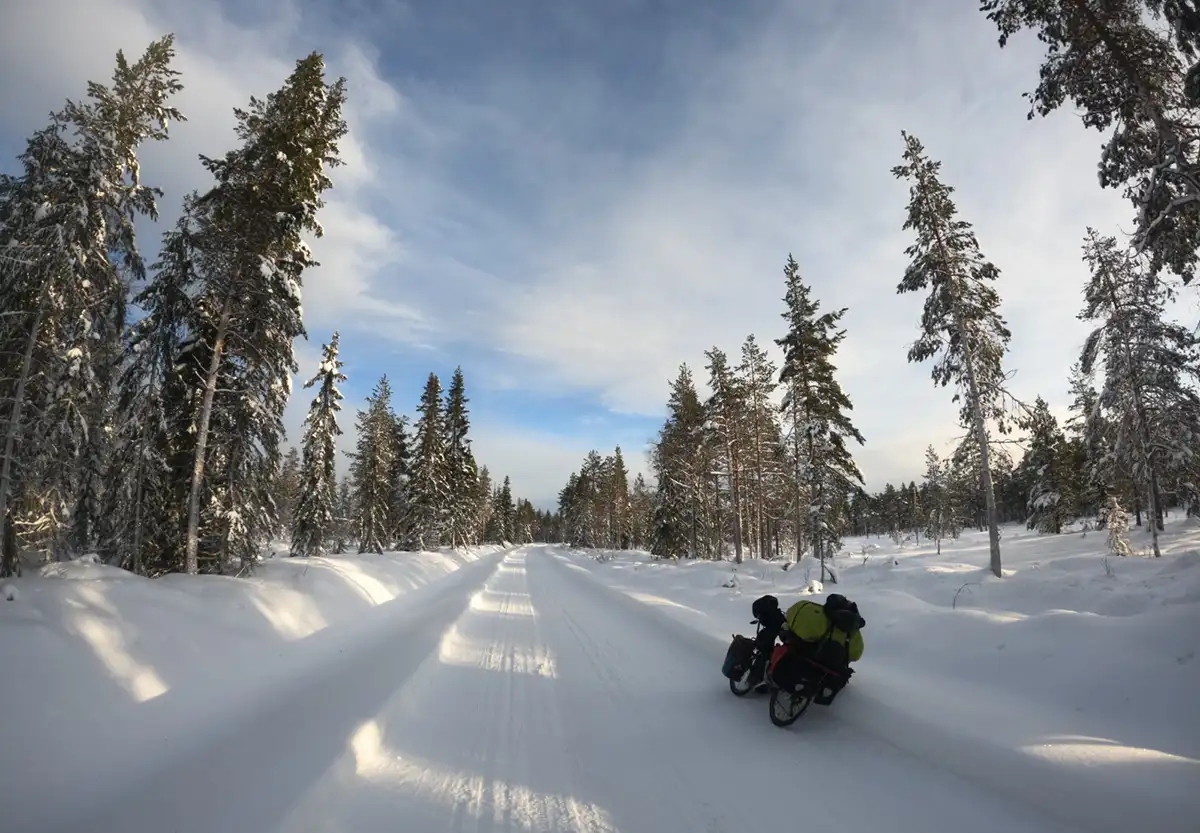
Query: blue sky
pixel 571 198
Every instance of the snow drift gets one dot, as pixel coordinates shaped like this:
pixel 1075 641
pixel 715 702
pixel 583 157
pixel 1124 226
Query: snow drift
pixel 112 674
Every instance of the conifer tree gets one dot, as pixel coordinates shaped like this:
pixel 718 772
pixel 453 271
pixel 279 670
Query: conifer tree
pixel 1122 72
pixel 1047 463
pixel 1087 440
pixel 504 513
pixel 641 511
pixel 757 374
pixel 484 506
pixel 726 410
pixel 399 508
pixel 67 233
pixel 940 517
pixel 961 325
pixel 142 501
pixel 428 487
pixel 680 464
pixel 816 410
pixel 461 471
pixel 372 469
pixel 1151 366
pixel 343 530
pixel 251 224
pixel 287 489
pixel 317 506
pixel 524 522
pixel 616 500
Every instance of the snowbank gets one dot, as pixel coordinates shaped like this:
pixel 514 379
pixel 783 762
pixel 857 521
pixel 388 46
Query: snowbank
pixel 1066 684
pixel 107 674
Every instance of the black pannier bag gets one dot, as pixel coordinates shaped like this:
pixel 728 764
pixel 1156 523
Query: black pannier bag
pixel 737 658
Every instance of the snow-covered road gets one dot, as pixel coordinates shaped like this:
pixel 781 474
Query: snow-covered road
pixel 526 696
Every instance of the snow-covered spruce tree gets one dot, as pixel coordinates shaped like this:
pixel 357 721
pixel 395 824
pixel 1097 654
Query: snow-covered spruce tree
pixel 461 470
pixel 142 501
pixel 252 255
pixel 343 530
pixel 428 485
pixel 581 504
pixel 615 495
pixel 1087 444
pixel 961 325
pixel 1117 521
pixel 938 505
pixel 1151 367
pixel 287 489
pixel 398 504
pixel 1047 467
pixel 641 513
pixel 1124 74
pixel 371 470
pixel 503 514
pixel 524 522
pixel 483 506
pixel 680 465
pixel 317 504
pixel 726 412
pixel 67 232
pixel 817 412
pixel 764 498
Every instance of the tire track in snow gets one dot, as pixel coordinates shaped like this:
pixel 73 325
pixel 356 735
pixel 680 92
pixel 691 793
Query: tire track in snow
pixel 474 742
pixel 676 803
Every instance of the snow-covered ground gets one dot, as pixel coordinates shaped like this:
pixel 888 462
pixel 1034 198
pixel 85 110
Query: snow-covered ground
pixel 543 689
pixel 1071 683
pixel 107 674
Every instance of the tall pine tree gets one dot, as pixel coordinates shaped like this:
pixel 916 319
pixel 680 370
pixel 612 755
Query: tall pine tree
pixel 372 470
pixel 461 472
pixel 961 325
pixel 317 506
pixel 1151 367
pixel 1046 465
pixel 428 488
pixel 680 466
pixel 67 232
pixel 726 410
pixel 817 412
pixel 398 502
pixel 253 255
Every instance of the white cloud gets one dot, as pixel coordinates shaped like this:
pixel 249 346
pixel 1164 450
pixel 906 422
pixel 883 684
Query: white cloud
pixel 222 65
pixel 569 265
pixel 790 149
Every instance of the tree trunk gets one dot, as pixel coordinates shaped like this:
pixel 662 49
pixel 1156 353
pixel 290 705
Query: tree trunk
pixel 735 482
pixel 10 564
pixel 192 552
pixel 695 510
pixel 989 495
pixel 799 502
pixel 1155 508
pixel 139 496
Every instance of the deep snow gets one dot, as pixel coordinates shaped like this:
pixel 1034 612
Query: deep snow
pixel 544 689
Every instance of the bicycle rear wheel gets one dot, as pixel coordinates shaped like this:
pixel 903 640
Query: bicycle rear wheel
pixel 786 707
